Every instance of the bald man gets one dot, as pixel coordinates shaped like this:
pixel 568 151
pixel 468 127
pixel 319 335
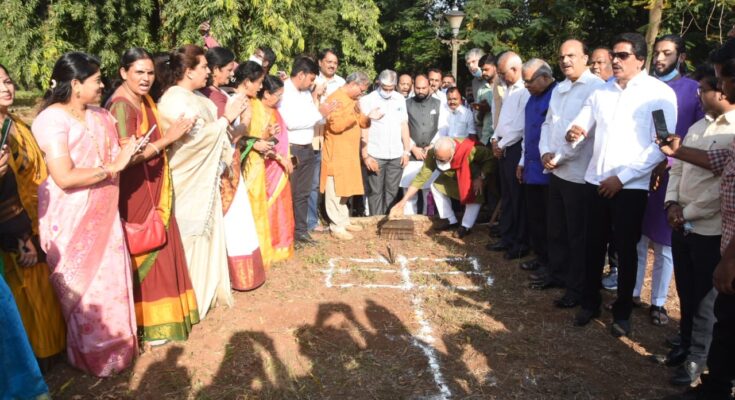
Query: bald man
pixel 462 169
pixel 423 125
pixel 566 166
pixel 405 85
pixel 601 63
pixel 507 147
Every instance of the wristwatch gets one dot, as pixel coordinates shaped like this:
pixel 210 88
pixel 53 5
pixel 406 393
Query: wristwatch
pixel 669 204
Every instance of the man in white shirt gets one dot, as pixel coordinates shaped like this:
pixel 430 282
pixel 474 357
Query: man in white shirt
pixel 617 179
pixel 435 83
pixel 327 82
pixel 460 123
pixel 566 216
pixel 386 144
pixel 301 111
pixel 507 147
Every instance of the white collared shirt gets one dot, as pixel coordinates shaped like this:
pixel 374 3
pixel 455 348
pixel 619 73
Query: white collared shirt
pixel 299 113
pixel 441 96
pixel 384 137
pixel 460 123
pixel 333 84
pixel 566 101
pixel 624 136
pixel 512 119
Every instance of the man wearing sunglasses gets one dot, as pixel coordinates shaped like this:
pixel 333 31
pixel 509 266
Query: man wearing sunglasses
pixel 618 176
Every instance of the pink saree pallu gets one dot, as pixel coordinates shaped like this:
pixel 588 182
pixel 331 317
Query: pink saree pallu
pixel 82 235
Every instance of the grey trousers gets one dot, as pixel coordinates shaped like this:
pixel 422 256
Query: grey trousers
pixel 383 185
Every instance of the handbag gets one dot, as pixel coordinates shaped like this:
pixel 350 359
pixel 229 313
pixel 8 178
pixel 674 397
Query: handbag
pixel 151 233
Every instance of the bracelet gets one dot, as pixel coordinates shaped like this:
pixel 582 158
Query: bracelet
pixel 155 148
pixel 108 173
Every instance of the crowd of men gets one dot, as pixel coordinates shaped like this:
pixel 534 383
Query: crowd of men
pixel 576 171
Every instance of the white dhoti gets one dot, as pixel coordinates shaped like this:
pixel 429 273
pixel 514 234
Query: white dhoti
pixel 444 206
pixel 409 173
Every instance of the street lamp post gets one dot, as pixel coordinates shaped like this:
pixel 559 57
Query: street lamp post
pixel 454 17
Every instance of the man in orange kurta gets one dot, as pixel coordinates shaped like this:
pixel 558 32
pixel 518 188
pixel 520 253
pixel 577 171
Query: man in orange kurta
pixel 341 173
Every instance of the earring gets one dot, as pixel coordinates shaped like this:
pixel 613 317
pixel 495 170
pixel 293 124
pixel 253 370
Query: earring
pixel 79 94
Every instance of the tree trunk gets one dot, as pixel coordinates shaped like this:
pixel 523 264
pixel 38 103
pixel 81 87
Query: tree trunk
pixel 654 23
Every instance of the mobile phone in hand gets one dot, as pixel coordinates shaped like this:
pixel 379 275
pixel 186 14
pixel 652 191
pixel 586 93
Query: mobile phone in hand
pixel 659 122
pixel 147 136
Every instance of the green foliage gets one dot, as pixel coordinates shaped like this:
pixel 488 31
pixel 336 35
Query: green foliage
pixel 349 27
pixel 42 30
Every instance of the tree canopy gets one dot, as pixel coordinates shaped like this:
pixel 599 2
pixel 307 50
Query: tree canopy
pixel 369 35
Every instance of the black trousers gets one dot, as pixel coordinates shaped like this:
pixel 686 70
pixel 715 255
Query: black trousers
pixel 721 360
pixel 695 258
pixel 513 221
pixel 301 181
pixel 624 215
pixel 566 233
pixel 536 205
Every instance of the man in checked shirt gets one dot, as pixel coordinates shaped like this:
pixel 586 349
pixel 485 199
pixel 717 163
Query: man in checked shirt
pixel 721 359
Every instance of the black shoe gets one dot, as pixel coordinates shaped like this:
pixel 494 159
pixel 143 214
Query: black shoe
pixel 516 252
pixel 676 356
pixel 532 265
pixel 461 232
pixel 498 246
pixel 566 302
pixel 304 241
pixel 687 373
pixel 448 227
pixel 673 341
pixel 584 316
pixel 544 284
pixel 620 327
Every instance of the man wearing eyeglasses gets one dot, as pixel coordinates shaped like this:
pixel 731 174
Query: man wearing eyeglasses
pixel 669 52
pixel 539 80
pixel 506 144
pixel 619 172
pixel 718 383
pixel 341 173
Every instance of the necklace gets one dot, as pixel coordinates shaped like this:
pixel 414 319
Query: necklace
pixel 101 157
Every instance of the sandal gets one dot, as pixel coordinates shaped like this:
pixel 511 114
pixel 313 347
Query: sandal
pixel 658 315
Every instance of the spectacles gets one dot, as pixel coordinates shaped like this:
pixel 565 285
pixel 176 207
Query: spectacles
pixel 622 55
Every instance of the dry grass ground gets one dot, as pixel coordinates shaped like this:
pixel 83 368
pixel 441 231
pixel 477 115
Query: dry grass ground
pixel 296 338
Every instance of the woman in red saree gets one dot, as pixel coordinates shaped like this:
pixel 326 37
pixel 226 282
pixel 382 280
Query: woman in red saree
pixel 165 303
pixel 79 221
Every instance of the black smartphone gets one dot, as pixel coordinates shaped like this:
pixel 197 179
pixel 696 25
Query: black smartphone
pixel 5 133
pixel 294 161
pixel 659 122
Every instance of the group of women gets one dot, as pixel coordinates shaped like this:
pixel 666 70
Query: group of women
pixel 137 217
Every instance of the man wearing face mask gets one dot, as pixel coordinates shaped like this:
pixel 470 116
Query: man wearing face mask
pixel 472 60
pixel 423 123
pixel 386 145
pixel 462 169
pixel 669 53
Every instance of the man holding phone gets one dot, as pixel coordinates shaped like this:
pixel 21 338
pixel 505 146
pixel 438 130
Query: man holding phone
pixel 618 175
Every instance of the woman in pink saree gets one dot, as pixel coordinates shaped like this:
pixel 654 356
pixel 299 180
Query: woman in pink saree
pixel 278 166
pixel 79 222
